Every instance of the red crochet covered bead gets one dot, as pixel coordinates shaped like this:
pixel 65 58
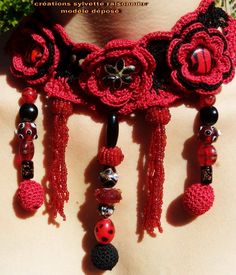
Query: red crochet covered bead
pixel 30 195
pixel 158 116
pixel 110 156
pixel 198 199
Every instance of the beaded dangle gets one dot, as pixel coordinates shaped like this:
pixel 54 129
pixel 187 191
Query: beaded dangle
pixel 104 255
pixel 30 194
pixel 199 197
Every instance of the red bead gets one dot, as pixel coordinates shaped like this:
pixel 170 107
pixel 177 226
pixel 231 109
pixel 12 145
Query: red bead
pixel 104 231
pixel 207 100
pixel 29 95
pixel 208 134
pixel 27 131
pixel 27 150
pixel 108 195
pixel 201 61
pixel 207 155
pixel 35 54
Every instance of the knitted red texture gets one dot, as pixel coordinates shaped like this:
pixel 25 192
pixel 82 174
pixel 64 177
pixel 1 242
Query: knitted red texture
pixel 30 195
pixel 198 199
pixel 110 156
pixel 157 117
pixel 58 171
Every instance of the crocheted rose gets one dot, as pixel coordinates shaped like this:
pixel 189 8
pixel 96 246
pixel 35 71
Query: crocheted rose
pixel 35 53
pixel 120 75
pixel 200 59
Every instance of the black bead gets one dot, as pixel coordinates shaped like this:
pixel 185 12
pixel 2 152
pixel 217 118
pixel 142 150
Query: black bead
pixel 106 210
pixel 206 174
pixel 28 112
pixel 27 169
pixel 209 115
pixel 109 177
pixel 112 130
pixel 104 257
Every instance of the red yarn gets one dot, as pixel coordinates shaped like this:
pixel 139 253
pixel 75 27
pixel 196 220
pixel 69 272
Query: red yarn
pixel 198 199
pixel 110 156
pixel 58 171
pixel 158 117
pixel 30 195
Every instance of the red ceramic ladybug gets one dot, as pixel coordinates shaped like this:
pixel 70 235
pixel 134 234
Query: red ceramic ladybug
pixel 104 231
pixel 27 131
pixel 208 134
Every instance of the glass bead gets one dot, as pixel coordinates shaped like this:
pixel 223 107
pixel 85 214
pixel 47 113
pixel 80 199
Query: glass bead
pixel 208 134
pixel 27 169
pixel 108 195
pixel 27 131
pixel 206 174
pixel 207 155
pixel 206 100
pixel 112 130
pixel 106 210
pixel 201 61
pixel 109 177
pixel 28 112
pixel 27 150
pixel 209 115
pixel 29 95
pixel 104 231
pixel 35 54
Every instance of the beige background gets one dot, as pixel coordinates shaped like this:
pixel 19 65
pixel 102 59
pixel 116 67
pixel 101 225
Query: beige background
pixel 206 245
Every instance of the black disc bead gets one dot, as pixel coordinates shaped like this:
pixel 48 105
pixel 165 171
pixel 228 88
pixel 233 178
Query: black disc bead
pixel 209 115
pixel 104 257
pixel 112 130
pixel 28 112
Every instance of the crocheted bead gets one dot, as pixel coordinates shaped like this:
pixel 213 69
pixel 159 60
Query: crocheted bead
pixel 108 195
pixel 104 257
pixel 59 106
pixel 104 231
pixel 110 156
pixel 158 116
pixel 29 95
pixel 198 199
pixel 30 195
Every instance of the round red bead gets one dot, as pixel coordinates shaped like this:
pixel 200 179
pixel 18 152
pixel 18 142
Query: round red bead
pixel 207 100
pixel 201 61
pixel 104 231
pixel 208 134
pixel 29 95
pixel 207 155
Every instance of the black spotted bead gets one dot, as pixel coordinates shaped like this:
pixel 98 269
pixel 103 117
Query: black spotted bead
pixel 104 257
pixel 209 115
pixel 112 130
pixel 206 174
pixel 27 169
pixel 28 112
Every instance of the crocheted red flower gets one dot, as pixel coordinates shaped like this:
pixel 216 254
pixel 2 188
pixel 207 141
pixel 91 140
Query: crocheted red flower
pixel 35 53
pixel 200 59
pixel 120 75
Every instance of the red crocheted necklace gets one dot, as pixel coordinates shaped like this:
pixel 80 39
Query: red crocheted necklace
pixel 191 61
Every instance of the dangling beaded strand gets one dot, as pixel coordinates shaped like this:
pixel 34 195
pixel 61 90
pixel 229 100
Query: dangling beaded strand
pixel 104 255
pixel 30 194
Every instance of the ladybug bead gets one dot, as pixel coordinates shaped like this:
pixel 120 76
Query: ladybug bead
pixel 27 131
pixel 104 231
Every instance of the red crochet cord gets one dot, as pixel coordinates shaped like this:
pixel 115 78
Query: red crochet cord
pixel 58 172
pixel 158 118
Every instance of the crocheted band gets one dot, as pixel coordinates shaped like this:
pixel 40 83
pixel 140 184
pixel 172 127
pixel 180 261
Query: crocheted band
pixel 196 57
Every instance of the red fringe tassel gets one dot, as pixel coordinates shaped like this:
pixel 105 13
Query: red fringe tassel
pixel 59 194
pixel 158 118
